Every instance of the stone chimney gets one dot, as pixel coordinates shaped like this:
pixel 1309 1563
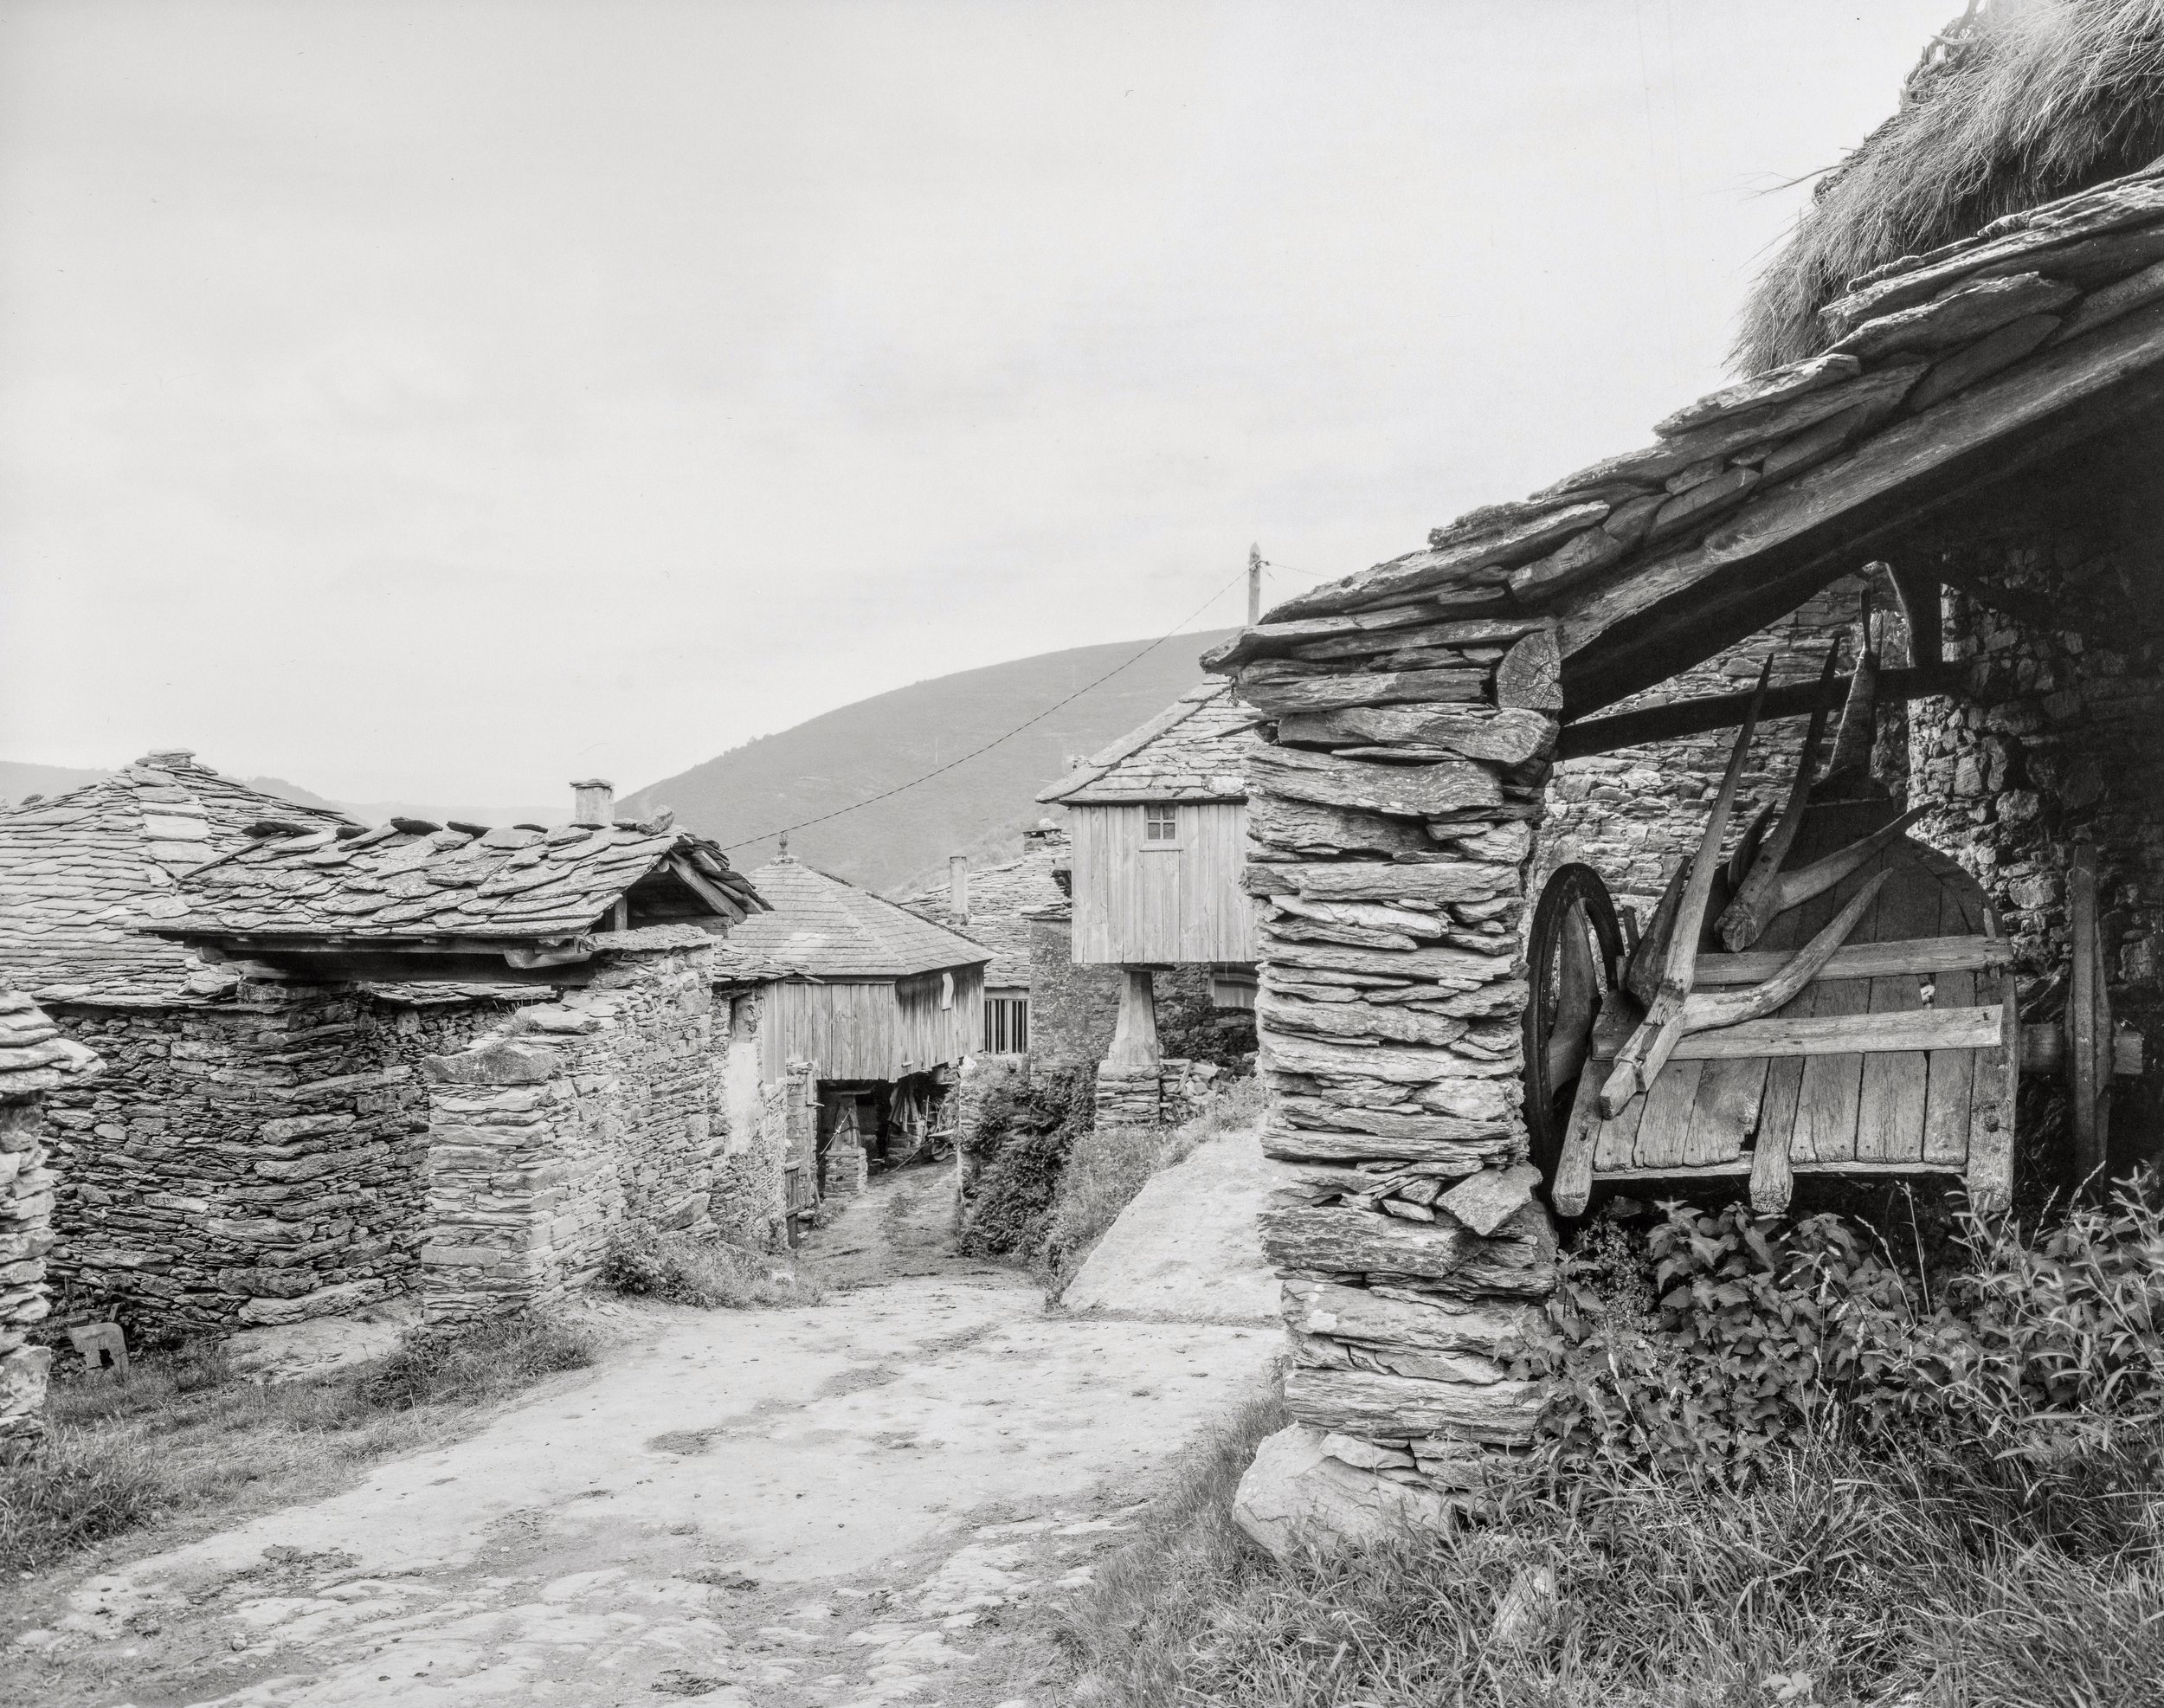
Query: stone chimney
pixel 594 801
pixel 958 886
pixel 166 757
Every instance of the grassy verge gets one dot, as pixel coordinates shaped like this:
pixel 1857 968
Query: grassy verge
pixel 1105 1169
pixel 711 1274
pixel 183 1432
pixel 1914 1580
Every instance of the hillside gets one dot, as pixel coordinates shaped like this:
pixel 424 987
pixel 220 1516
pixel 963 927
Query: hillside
pixel 847 755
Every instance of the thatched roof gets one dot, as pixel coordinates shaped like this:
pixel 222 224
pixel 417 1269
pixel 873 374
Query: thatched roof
pixel 2017 103
pixel 1949 372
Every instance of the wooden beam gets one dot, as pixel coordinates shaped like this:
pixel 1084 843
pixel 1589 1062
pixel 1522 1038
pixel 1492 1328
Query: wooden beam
pixel 1863 960
pixel 1626 631
pixel 1895 1032
pixel 1918 590
pixel 1721 711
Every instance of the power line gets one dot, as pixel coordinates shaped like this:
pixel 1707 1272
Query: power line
pixel 938 771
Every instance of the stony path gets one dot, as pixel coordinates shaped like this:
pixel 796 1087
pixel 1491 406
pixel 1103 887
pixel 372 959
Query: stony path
pixel 854 1503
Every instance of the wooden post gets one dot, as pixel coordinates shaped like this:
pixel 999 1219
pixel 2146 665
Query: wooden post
pixel 2088 1076
pixel 1134 1035
pixel 1254 585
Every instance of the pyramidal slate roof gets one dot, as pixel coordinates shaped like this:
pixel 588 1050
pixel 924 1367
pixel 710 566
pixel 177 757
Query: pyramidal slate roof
pixel 80 871
pixel 821 927
pixel 1195 750
pixel 410 882
pixel 1938 370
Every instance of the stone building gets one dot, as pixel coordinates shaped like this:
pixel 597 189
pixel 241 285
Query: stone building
pixel 36 1062
pixel 1982 420
pixel 594 1113
pixel 181 1186
pixel 1159 826
pixel 878 1009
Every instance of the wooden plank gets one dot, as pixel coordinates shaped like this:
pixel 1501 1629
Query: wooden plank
pixel 1770 1180
pixel 1575 1164
pixel 1857 1031
pixel 1704 713
pixel 2086 1088
pixel 1890 1111
pixel 1613 1141
pixel 1990 1171
pixel 1930 954
pixel 1729 1094
pixel 1666 1123
pixel 1950 1073
pixel 1827 1092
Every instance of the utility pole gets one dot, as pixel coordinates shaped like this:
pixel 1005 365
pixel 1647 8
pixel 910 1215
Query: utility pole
pixel 1254 585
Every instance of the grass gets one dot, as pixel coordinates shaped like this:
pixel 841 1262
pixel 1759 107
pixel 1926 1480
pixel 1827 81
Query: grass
pixel 711 1274
pixel 1842 1581
pixel 1106 1168
pixel 183 1432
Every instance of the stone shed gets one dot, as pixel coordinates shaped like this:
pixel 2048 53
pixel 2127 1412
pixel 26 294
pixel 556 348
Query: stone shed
pixel 595 1114
pixel 181 1192
pixel 875 1008
pixel 1985 420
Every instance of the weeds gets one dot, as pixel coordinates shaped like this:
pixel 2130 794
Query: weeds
pixel 183 1431
pixel 711 1275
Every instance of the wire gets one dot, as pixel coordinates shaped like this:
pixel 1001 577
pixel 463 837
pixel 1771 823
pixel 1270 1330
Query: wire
pixel 1287 569
pixel 939 770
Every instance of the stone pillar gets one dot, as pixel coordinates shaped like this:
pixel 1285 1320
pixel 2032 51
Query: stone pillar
pixel 1127 1092
pixel 33 1060
pixel 1393 891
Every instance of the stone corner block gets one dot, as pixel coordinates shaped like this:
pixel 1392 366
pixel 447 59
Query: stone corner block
pixel 1295 1496
pixel 494 1062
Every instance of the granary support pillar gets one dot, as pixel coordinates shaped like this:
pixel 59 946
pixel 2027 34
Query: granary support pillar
pixel 1128 1081
pixel 1392 890
pixel 34 1059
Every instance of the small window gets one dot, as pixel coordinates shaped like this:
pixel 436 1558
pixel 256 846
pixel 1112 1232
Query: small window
pixel 1160 824
pixel 1006 1025
pixel 946 990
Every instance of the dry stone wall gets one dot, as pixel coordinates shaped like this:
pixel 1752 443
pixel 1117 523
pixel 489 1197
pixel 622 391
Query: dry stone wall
pixel 1390 838
pixel 249 1161
pixel 36 1062
pixel 572 1123
pixel 2058 738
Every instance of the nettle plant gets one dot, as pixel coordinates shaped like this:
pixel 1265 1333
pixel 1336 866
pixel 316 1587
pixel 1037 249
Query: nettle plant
pixel 1761 1334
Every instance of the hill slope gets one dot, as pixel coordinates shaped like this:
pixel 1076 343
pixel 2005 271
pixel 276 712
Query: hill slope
pixel 845 755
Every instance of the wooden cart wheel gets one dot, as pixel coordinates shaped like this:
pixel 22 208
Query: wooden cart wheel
pixel 1574 960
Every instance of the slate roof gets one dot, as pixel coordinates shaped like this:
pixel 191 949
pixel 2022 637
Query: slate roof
pixel 79 870
pixel 1195 750
pixel 1938 367
pixel 1002 898
pixel 401 883
pixel 821 927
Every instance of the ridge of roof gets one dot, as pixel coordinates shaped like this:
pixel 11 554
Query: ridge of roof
pixel 81 868
pixel 1183 736
pixel 822 926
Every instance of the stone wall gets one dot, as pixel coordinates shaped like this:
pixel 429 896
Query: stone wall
pixel 2060 737
pixel 571 1124
pixel 249 1161
pixel 1071 1009
pixel 1394 885
pixel 36 1062
pixel 1636 814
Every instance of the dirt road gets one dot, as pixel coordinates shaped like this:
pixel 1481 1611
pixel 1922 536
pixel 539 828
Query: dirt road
pixel 853 1503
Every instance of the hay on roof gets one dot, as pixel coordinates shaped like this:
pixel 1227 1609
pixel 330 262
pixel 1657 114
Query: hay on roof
pixel 2019 102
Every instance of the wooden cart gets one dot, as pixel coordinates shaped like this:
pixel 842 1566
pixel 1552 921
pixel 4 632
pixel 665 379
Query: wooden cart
pixel 1897 1051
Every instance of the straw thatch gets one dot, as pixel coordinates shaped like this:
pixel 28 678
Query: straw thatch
pixel 2019 102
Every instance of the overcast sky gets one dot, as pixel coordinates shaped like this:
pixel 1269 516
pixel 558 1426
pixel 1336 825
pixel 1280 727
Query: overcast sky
pixel 449 399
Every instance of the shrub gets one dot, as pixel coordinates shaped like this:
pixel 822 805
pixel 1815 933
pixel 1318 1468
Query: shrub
pixel 472 1364
pixel 1023 1138
pixel 709 1274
